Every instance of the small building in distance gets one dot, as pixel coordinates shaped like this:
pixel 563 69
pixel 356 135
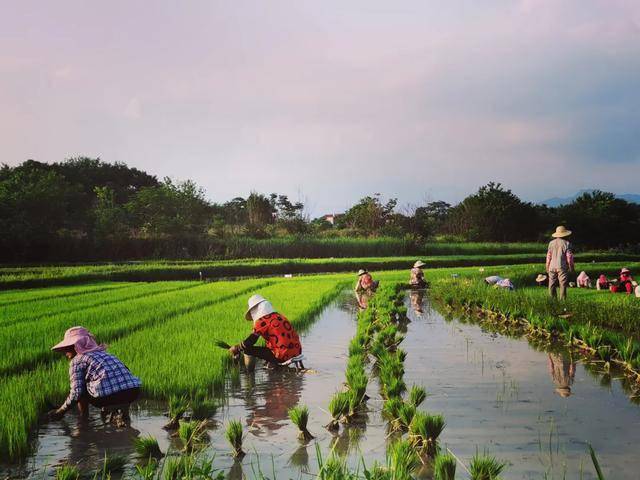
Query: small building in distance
pixel 331 217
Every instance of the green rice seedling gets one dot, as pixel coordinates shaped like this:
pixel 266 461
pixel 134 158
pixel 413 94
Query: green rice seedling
pixel 147 471
pixel 234 436
pixel 111 464
pixel 424 431
pixel 299 415
pixel 67 472
pixel 356 401
pixel 203 408
pixel 177 408
pixel 401 354
pixel 444 467
pixel 338 408
pixel 391 408
pixel 357 346
pixel 222 344
pixel 595 462
pixel 417 395
pixel 394 387
pixel 192 434
pixel 485 467
pixel 406 412
pixel 147 447
pixel 402 459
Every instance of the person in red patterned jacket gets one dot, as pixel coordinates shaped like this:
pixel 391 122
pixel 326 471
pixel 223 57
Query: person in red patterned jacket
pixel 282 341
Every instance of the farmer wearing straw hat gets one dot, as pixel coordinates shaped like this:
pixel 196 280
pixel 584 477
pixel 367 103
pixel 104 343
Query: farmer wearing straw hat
pixel 559 262
pixel 282 341
pixel 365 282
pixel 416 280
pixel 96 377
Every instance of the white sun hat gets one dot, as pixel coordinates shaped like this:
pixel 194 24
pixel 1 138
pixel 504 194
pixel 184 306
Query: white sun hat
pixel 362 271
pixel 258 308
pixel 419 264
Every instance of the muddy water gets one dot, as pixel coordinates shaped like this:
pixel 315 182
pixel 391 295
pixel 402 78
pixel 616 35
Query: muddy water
pixel 532 408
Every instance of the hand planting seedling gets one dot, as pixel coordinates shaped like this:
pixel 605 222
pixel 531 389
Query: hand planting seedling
pixel 299 415
pixel 235 436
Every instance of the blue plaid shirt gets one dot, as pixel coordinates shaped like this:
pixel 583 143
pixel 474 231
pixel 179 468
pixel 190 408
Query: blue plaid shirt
pixel 100 374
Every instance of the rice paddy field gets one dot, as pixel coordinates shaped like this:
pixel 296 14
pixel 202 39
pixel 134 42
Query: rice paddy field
pixel 165 331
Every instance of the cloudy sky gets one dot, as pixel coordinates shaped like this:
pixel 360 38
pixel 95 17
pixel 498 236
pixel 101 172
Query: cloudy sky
pixel 331 100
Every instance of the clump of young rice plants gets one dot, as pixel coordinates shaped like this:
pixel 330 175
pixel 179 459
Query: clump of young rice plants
pixel 299 415
pixel 406 412
pixel 444 467
pixel 338 408
pixel 424 431
pixel 485 467
pixel 147 447
pixel 67 472
pixel 234 435
pixel 417 395
pixel 178 405
pixel 402 459
pixel 111 464
pixel 192 434
pixel 203 408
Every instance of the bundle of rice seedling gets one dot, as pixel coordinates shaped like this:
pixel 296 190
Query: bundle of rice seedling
pixel 234 436
pixel 338 408
pixel 485 467
pixel 299 415
pixel 444 467
pixel 177 408
pixel 406 412
pixel 67 472
pixel 424 431
pixel 203 408
pixel 147 447
pixel 402 459
pixel 192 434
pixel 417 395
pixel 111 464
pixel 222 344
pixel 392 407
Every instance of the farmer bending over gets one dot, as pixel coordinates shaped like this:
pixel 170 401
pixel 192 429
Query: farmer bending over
pixel 625 282
pixel 281 339
pixel 559 262
pixel 417 275
pixel 365 282
pixel 96 377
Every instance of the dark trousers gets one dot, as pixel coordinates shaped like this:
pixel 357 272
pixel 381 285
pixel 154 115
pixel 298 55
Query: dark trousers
pixel 123 397
pixel 260 352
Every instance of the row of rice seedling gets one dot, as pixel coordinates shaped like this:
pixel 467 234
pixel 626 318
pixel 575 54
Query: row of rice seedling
pixel 26 345
pixel 32 295
pixel 16 277
pixel 599 324
pixel 172 350
pixel 380 331
pixel 36 311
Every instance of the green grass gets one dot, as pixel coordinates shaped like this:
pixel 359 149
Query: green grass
pixel 51 275
pixel 141 331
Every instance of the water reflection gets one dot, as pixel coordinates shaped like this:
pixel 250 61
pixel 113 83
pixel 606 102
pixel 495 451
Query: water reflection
pixel 562 369
pixel 300 459
pixel 417 301
pixel 281 390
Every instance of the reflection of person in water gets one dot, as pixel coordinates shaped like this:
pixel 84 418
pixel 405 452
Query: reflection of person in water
pixel 282 390
pixel 562 369
pixel 417 296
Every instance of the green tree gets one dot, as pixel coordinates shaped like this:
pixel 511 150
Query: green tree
pixel 599 219
pixel 370 214
pixel 494 214
pixel 110 217
pixel 260 211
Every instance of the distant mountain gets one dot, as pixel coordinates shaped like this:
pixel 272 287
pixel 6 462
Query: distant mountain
pixel 557 201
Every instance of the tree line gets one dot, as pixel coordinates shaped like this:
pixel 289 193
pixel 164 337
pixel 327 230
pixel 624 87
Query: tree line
pixel 84 208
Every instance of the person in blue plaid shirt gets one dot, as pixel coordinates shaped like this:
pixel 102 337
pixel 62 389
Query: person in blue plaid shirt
pixel 96 377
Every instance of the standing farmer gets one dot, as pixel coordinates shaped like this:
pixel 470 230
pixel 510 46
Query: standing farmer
pixel 559 262
pixel 96 377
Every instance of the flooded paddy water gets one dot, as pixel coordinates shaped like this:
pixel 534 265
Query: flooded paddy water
pixel 535 409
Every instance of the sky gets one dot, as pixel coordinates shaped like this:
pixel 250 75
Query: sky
pixel 328 101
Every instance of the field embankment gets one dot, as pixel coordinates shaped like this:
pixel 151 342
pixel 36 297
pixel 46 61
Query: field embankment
pixel 50 275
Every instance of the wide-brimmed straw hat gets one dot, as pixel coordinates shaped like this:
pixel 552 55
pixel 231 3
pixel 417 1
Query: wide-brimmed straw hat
pixel 81 339
pixel 625 270
pixel 419 264
pixel 561 232
pixel 541 277
pixel 362 271
pixel 258 308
